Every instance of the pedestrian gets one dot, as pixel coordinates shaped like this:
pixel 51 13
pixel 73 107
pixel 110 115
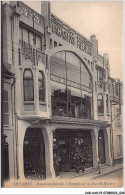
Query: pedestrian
pixel 83 165
pixel 99 167
pixel 80 164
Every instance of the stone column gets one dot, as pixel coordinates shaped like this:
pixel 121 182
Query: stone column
pixel 94 135
pixel 48 141
pixel 108 154
pixel 20 162
pixel 94 92
pixel 9 141
pixel 22 126
pixel 48 87
pixel 95 117
pixel 109 105
pixel 15 57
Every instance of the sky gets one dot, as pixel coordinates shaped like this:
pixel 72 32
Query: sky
pixel 102 18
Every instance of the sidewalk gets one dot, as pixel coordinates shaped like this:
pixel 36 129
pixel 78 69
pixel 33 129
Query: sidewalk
pixel 108 170
pixel 91 172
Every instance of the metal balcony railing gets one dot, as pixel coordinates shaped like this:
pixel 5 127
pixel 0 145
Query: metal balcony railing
pixel 29 52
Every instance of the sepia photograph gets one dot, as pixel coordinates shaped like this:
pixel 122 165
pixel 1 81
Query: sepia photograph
pixel 62 94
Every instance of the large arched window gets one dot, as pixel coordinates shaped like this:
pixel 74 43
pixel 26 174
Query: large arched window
pixel 28 85
pixel 71 92
pixel 100 104
pixel 41 84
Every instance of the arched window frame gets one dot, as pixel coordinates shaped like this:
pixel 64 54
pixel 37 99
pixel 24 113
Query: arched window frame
pixel 100 104
pixel 41 86
pixel 28 86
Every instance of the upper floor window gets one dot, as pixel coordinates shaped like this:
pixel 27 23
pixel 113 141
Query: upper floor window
pixel 55 44
pixel 41 83
pixel 27 38
pixel 100 104
pixel 99 74
pixel 119 145
pixel 28 85
pixel 118 118
pixel 116 90
pixel 51 44
pixel 5 108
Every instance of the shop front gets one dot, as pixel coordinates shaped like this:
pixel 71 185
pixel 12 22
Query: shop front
pixel 71 146
pixel 34 154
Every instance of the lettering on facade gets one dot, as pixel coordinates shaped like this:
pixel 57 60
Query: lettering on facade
pixel 70 83
pixel 69 35
pixel 63 33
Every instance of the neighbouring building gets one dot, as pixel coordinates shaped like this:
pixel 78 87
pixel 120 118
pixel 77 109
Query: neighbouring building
pixel 59 101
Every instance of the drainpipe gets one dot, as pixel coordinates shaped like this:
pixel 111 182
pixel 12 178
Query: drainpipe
pixel 12 119
pixel 16 134
pixel 111 139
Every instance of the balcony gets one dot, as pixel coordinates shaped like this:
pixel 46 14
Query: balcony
pixel 102 85
pixel 114 93
pixel 27 52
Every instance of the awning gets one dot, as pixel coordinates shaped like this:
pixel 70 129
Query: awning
pixel 6 73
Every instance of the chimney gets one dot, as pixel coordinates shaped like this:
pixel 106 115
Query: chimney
pixel 106 60
pixel 94 45
pixel 46 12
pixel 106 64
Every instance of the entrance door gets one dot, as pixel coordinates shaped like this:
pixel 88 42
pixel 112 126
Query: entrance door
pixel 101 147
pixel 65 158
pixel 34 154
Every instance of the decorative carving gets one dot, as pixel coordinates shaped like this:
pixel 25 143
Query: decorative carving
pixel 27 52
pixel 40 56
pixel 30 14
pixel 99 84
pixel 34 57
pixel 19 57
pixel 33 54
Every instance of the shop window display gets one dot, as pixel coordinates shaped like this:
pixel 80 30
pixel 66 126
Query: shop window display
pixel 34 154
pixel 72 150
pixel 76 108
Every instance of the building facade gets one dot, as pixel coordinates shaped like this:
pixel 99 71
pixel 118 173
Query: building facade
pixel 59 101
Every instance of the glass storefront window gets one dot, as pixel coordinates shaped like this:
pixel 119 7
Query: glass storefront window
pixel 58 101
pixel 69 79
